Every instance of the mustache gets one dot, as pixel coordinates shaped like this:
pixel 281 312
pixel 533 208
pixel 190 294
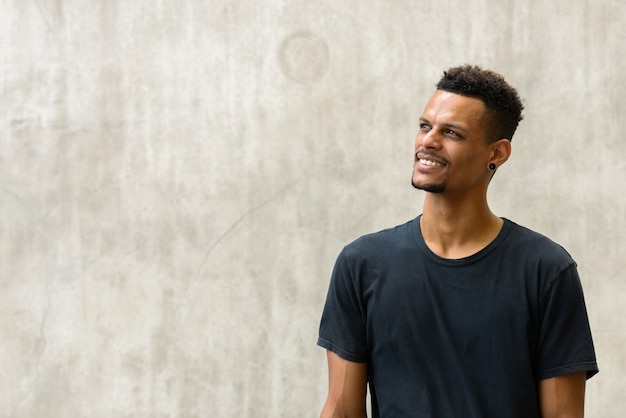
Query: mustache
pixel 425 154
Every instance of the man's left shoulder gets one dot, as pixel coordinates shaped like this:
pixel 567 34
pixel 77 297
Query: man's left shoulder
pixel 531 242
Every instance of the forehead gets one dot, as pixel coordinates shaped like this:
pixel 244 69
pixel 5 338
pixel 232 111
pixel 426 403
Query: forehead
pixel 446 107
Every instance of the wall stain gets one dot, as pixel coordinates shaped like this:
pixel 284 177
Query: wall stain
pixel 304 57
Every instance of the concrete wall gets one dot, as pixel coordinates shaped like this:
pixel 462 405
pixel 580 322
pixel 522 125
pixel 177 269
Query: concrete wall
pixel 177 177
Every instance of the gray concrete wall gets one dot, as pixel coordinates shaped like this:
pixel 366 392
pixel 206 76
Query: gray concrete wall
pixel 177 177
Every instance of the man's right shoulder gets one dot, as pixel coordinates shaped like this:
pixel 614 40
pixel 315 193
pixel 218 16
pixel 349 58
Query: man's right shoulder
pixel 388 238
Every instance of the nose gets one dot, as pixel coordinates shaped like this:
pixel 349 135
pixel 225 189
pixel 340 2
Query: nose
pixel 428 140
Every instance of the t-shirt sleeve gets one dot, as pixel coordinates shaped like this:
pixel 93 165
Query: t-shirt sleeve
pixel 565 342
pixel 343 326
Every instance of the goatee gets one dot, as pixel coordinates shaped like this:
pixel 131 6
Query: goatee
pixel 430 187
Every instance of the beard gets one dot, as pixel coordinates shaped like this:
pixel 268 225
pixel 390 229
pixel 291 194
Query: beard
pixel 430 187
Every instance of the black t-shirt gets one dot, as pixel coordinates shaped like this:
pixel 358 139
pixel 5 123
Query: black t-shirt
pixel 448 338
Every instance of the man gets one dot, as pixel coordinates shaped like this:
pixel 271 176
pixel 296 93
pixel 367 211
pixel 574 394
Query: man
pixel 458 313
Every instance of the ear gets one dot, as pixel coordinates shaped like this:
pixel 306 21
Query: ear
pixel 500 152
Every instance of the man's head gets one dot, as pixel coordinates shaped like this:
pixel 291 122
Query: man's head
pixel 465 132
pixel 503 107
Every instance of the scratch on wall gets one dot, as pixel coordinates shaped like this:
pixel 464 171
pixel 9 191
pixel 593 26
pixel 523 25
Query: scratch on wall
pixel 232 227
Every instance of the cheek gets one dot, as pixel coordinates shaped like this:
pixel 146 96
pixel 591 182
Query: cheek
pixel 475 165
pixel 467 163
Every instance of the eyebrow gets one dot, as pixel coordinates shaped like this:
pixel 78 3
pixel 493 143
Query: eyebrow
pixel 447 125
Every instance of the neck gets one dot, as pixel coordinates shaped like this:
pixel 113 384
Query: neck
pixel 457 228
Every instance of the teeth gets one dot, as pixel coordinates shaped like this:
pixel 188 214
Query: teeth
pixel 431 163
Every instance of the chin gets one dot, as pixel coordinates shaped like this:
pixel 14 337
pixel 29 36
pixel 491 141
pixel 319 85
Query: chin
pixel 430 187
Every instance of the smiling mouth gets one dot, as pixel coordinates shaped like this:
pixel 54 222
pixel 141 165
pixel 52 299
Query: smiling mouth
pixel 430 163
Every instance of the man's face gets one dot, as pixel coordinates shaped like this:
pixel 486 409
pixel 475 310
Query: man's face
pixel 451 150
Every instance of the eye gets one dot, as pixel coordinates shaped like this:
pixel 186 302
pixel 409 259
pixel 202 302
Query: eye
pixel 453 134
pixel 424 127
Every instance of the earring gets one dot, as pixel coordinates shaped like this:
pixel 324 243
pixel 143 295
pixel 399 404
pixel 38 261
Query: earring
pixel 492 166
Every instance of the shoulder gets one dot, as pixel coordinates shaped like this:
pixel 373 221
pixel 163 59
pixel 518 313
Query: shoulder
pixel 390 239
pixel 536 249
pixel 524 236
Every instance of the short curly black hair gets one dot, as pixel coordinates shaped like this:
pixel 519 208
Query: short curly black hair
pixel 502 103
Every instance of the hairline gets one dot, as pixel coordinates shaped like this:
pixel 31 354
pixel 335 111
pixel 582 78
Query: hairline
pixel 487 114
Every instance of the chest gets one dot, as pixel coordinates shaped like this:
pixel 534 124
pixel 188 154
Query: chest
pixel 471 308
